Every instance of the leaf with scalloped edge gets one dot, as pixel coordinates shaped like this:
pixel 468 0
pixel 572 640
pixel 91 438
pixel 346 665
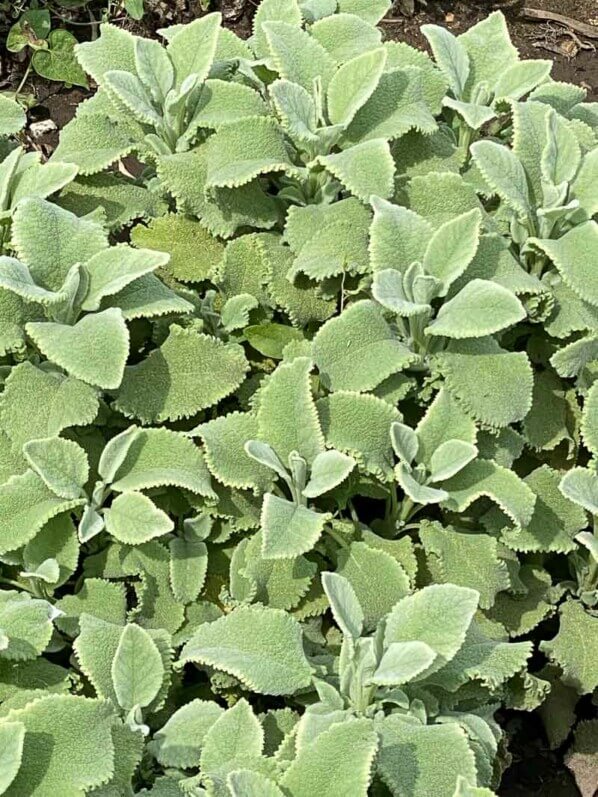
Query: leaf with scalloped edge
pixel 363 566
pixel 137 669
pixel 121 200
pixel 259 646
pixel 573 254
pixel 222 102
pixel 485 478
pixel 489 48
pixel 504 174
pixel 94 349
pixel 26 505
pixel 493 385
pixel 111 270
pixel 337 249
pixel 178 742
pixel 289 529
pixel 57 757
pixel 93 142
pixel 359 425
pixel 357 350
pixel 38 403
pixel 452 247
pixel 353 84
pixel 489 660
pixel 26 625
pixel 51 240
pixel 148 297
pixel 193 251
pixel 366 169
pixel 468 560
pixel 575 647
pixel 397 106
pixel 481 308
pixel 338 761
pixel 554 523
pixel 297 56
pixel 224 440
pixel 133 518
pixel 12 736
pixel 345 35
pixel 189 372
pixel 105 600
pixel 160 457
pixel 184 176
pixel 421 760
pixel 524 606
pixel 193 47
pixel 287 417
pixel 398 236
pixel 241 151
pixel 61 464
pixel 271 11
pixel 249 783
pixel 581 486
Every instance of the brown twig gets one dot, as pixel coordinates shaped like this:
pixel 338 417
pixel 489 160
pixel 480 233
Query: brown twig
pixel 591 31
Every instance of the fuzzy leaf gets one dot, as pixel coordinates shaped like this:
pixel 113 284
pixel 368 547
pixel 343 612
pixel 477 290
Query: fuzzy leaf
pixel 113 269
pixel 580 485
pixel 260 646
pixel 337 762
pixel 403 661
pixel 296 55
pixel 62 464
pixel 160 457
pixel 134 519
pixel 481 308
pixel 287 417
pixel 450 55
pixel 452 247
pixel 179 741
pixel 574 648
pixel 366 169
pixel 420 760
pixel 357 350
pixel 95 349
pixel 137 669
pixel 193 48
pixel 52 762
pixel 188 568
pixel 12 735
pixel 241 151
pixel 345 606
pixel 189 372
pixel 572 254
pixel 362 566
pixel 328 470
pixel 289 529
pixel 438 615
pixel 353 84
pixel 485 478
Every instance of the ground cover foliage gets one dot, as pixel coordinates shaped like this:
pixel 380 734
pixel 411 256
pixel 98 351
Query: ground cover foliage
pixel 298 428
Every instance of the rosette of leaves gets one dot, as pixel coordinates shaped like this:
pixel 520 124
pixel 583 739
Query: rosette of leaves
pixel 150 97
pixel 484 72
pixel 77 292
pixel 335 97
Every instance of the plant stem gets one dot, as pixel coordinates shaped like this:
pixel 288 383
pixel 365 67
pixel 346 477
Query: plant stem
pixel 23 80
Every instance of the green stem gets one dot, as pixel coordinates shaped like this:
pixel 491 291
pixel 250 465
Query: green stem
pixel 12 583
pixel 24 80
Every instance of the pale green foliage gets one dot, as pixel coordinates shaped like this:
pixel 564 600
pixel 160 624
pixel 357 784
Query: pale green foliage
pixel 298 475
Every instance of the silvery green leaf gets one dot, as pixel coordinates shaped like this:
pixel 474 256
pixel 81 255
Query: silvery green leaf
pixel 133 518
pixel 90 525
pixel 114 268
pixel 521 78
pixel 296 109
pixel 404 441
pixel 154 67
pixel 401 662
pixel 475 115
pixel 449 458
pixel 481 308
pixel 235 313
pixel 418 493
pixel 344 604
pixel 193 47
pixel 62 464
pixel 589 541
pixel 452 247
pixel 265 455
pixel 328 470
pixel 129 90
pixel 561 155
pixel 387 289
pixel 16 277
pixel 48 571
pixel 114 453
pixel 353 84
pixel 504 174
pixel 12 115
pixel 250 783
pixel 289 529
pixel 137 669
pixel 580 485
pixel 450 55
pixel 12 737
